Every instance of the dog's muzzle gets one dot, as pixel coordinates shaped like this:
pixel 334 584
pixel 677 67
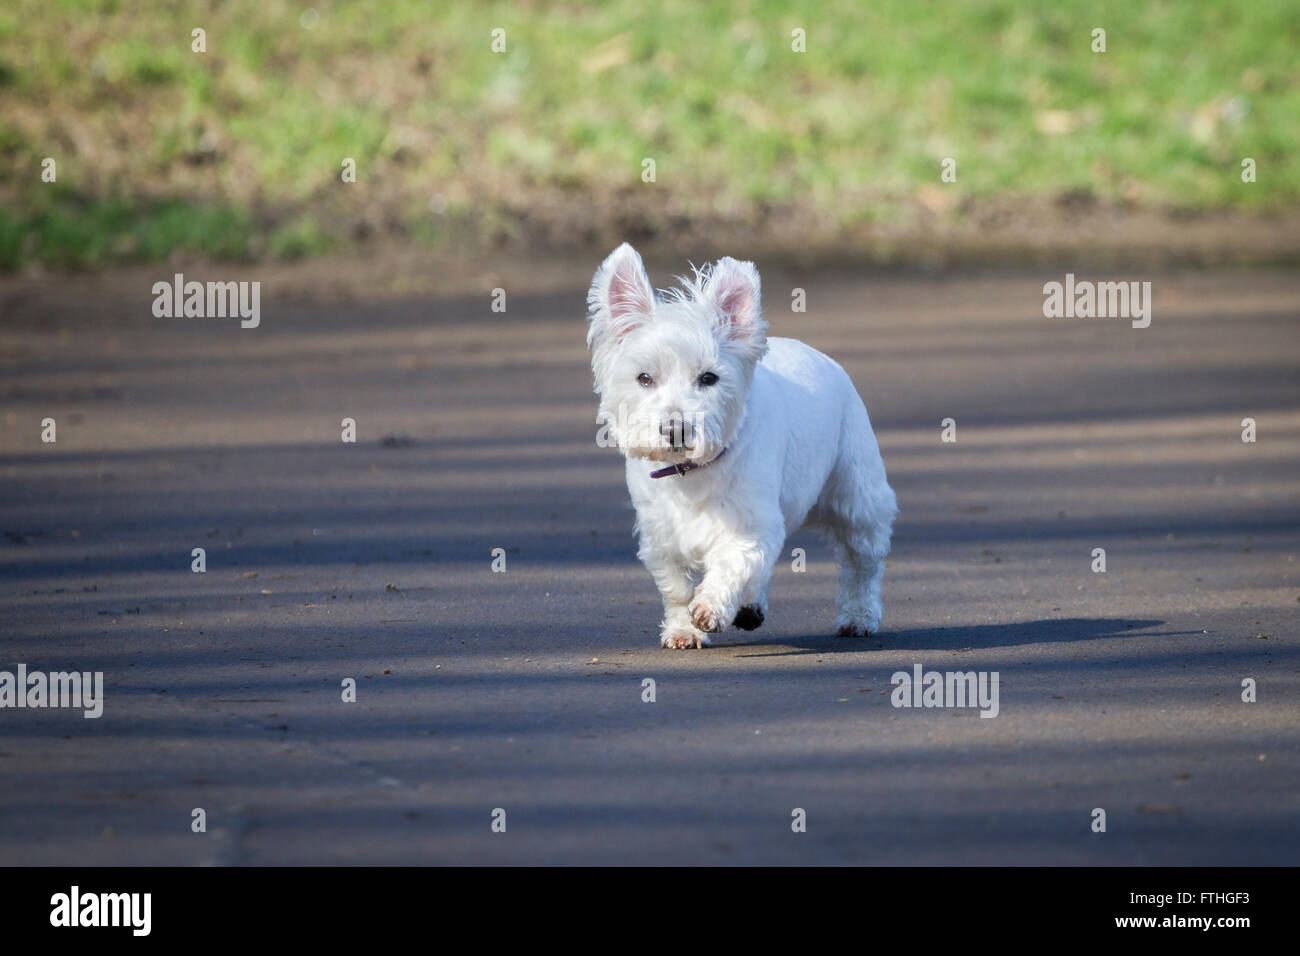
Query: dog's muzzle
pixel 676 431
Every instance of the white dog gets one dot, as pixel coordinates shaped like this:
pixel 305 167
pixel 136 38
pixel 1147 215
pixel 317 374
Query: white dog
pixel 760 437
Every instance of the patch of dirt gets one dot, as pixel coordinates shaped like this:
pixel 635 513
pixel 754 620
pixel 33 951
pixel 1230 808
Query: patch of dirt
pixel 549 241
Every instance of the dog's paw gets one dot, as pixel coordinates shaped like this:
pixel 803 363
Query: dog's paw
pixel 705 617
pixel 679 639
pixel 853 630
pixel 749 618
pixel 846 626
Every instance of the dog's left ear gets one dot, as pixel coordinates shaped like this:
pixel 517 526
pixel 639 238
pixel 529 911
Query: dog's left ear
pixel 733 288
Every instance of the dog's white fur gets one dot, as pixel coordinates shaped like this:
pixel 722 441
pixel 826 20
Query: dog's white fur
pixel 799 447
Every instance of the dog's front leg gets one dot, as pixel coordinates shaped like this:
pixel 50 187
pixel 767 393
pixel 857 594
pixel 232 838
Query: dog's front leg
pixel 675 587
pixel 739 565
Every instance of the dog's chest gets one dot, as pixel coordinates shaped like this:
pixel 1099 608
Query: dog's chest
pixel 689 521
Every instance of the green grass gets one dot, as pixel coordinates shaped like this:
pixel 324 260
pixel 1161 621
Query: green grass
pixel 235 153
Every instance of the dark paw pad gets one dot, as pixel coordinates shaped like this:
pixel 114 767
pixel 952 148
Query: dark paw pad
pixel 854 630
pixel 748 618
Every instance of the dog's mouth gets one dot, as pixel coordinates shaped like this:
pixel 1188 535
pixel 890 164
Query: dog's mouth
pixel 672 440
pixel 672 456
pixel 700 452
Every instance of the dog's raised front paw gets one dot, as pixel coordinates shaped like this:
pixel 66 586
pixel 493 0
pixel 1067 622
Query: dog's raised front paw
pixel 684 640
pixel 846 626
pixel 853 630
pixel 705 617
pixel 748 618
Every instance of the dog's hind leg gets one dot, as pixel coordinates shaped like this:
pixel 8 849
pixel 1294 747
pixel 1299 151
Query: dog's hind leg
pixel 861 557
pixel 857 511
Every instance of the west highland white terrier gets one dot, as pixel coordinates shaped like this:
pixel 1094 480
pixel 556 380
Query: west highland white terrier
pixel 733 440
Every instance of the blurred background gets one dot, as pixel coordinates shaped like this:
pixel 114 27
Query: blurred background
pixel 236 153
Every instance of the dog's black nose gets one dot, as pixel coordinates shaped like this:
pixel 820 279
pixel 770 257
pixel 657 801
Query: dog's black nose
pixel 674 429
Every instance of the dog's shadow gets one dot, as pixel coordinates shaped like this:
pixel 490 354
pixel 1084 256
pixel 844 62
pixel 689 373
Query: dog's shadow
pixel 962 637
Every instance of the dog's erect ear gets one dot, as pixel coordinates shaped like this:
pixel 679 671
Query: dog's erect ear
pixel 733 288
pixel 620 298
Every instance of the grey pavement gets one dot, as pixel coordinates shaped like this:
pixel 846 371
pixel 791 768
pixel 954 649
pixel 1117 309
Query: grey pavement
pixel 522 690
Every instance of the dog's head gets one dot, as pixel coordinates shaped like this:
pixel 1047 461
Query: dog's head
pixel 673 372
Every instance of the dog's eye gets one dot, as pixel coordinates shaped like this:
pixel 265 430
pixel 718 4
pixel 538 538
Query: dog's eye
pixel 644 380
pixel 708 378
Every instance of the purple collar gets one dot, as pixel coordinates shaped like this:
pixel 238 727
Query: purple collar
pixel 685 466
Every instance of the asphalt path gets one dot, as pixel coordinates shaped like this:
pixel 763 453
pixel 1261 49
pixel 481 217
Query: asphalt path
pixel 522 690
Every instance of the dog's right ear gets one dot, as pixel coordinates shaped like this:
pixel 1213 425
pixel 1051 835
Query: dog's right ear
pixel 620 298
